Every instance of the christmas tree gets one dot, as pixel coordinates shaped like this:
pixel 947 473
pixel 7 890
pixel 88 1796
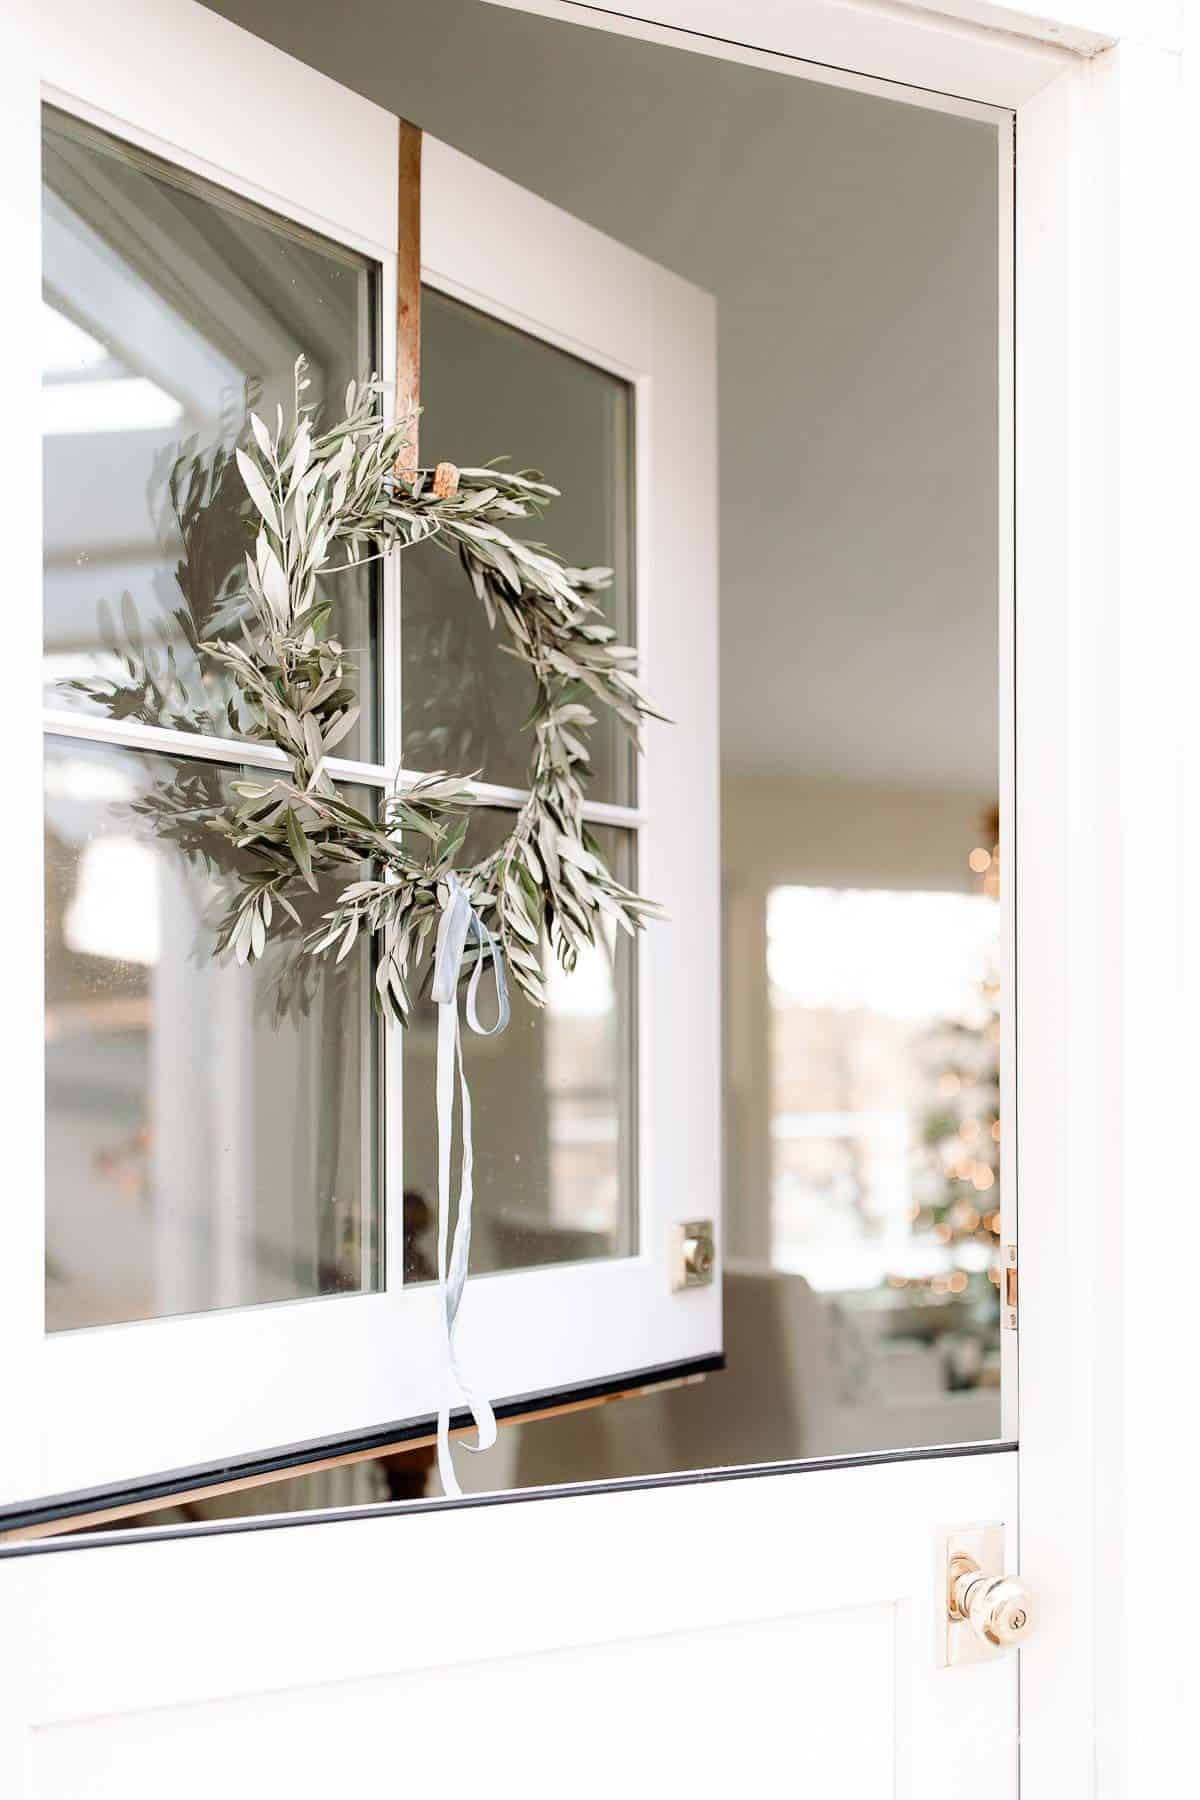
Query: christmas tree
pixel 956 1182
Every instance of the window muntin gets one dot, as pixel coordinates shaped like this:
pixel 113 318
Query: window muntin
pixel 567 1083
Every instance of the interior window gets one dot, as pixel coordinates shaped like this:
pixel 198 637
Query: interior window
pixel 885 1129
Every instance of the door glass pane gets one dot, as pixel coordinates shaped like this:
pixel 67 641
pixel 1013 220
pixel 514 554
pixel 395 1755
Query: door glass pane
pixel 169 308
pixel 210 1136
pixel 553 1100
pixel 490 391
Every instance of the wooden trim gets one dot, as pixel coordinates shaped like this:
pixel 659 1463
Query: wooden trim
pixel 408 283
pixel 108 1515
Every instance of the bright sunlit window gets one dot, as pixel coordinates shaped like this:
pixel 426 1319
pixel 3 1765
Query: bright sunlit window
pixel 86 390
pixel 884 1086
pixel 115 910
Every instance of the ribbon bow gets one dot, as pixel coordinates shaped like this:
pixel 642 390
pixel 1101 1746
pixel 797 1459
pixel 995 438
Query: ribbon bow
pixel 458 921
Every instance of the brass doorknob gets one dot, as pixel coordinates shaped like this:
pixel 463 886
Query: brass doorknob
pixel 692 1252
pixel 998 1608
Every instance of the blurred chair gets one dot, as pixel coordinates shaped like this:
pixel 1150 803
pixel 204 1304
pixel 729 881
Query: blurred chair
pixel 775 1397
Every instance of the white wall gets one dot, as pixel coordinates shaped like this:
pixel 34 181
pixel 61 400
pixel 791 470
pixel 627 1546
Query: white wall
pixel 777 829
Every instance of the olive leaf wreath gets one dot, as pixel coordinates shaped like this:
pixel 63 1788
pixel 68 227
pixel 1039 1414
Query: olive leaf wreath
pixel 318 492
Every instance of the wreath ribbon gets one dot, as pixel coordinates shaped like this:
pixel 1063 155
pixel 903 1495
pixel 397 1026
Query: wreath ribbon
pixel 459 920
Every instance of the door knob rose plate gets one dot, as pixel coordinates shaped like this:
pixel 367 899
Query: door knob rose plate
pixel 981 1611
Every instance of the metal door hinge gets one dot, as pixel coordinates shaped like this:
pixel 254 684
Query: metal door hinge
pixel 1009 1310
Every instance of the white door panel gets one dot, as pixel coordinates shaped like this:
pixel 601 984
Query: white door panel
pixel 349 1731
pixel 695 1638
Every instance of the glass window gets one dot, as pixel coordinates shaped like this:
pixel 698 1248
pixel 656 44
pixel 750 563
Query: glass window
pixel 210 1135
pixel 885 1112
pixel 553 1101
pixel 490 391
pixel 214 1134
pixel 169 309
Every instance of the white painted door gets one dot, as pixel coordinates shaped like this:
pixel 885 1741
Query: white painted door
pixel 770 1628
pixel 224 1226
pixel 774 1632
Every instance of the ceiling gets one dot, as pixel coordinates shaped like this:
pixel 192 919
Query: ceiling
pixel 851 244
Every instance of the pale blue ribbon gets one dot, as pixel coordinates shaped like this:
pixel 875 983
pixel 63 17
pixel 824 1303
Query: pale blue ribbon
pixel 459 919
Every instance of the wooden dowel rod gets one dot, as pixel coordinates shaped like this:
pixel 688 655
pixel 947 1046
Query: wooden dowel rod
pixel 408 286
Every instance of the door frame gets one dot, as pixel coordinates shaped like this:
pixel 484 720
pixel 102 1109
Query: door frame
pixel 1105 139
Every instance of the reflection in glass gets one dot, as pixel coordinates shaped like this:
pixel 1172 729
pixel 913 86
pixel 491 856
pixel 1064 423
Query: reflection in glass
pixel 553 1101
pixel 169 307
pixel 209 1129
pixel 488 390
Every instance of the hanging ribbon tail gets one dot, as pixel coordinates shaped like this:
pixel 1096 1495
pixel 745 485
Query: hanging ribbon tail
pixel 458 922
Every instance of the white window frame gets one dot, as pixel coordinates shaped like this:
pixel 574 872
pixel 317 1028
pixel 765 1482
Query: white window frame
pixel 223 1387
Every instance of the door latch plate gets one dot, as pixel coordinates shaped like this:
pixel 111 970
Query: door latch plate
pixel 1009 1314
pixel 692 1254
